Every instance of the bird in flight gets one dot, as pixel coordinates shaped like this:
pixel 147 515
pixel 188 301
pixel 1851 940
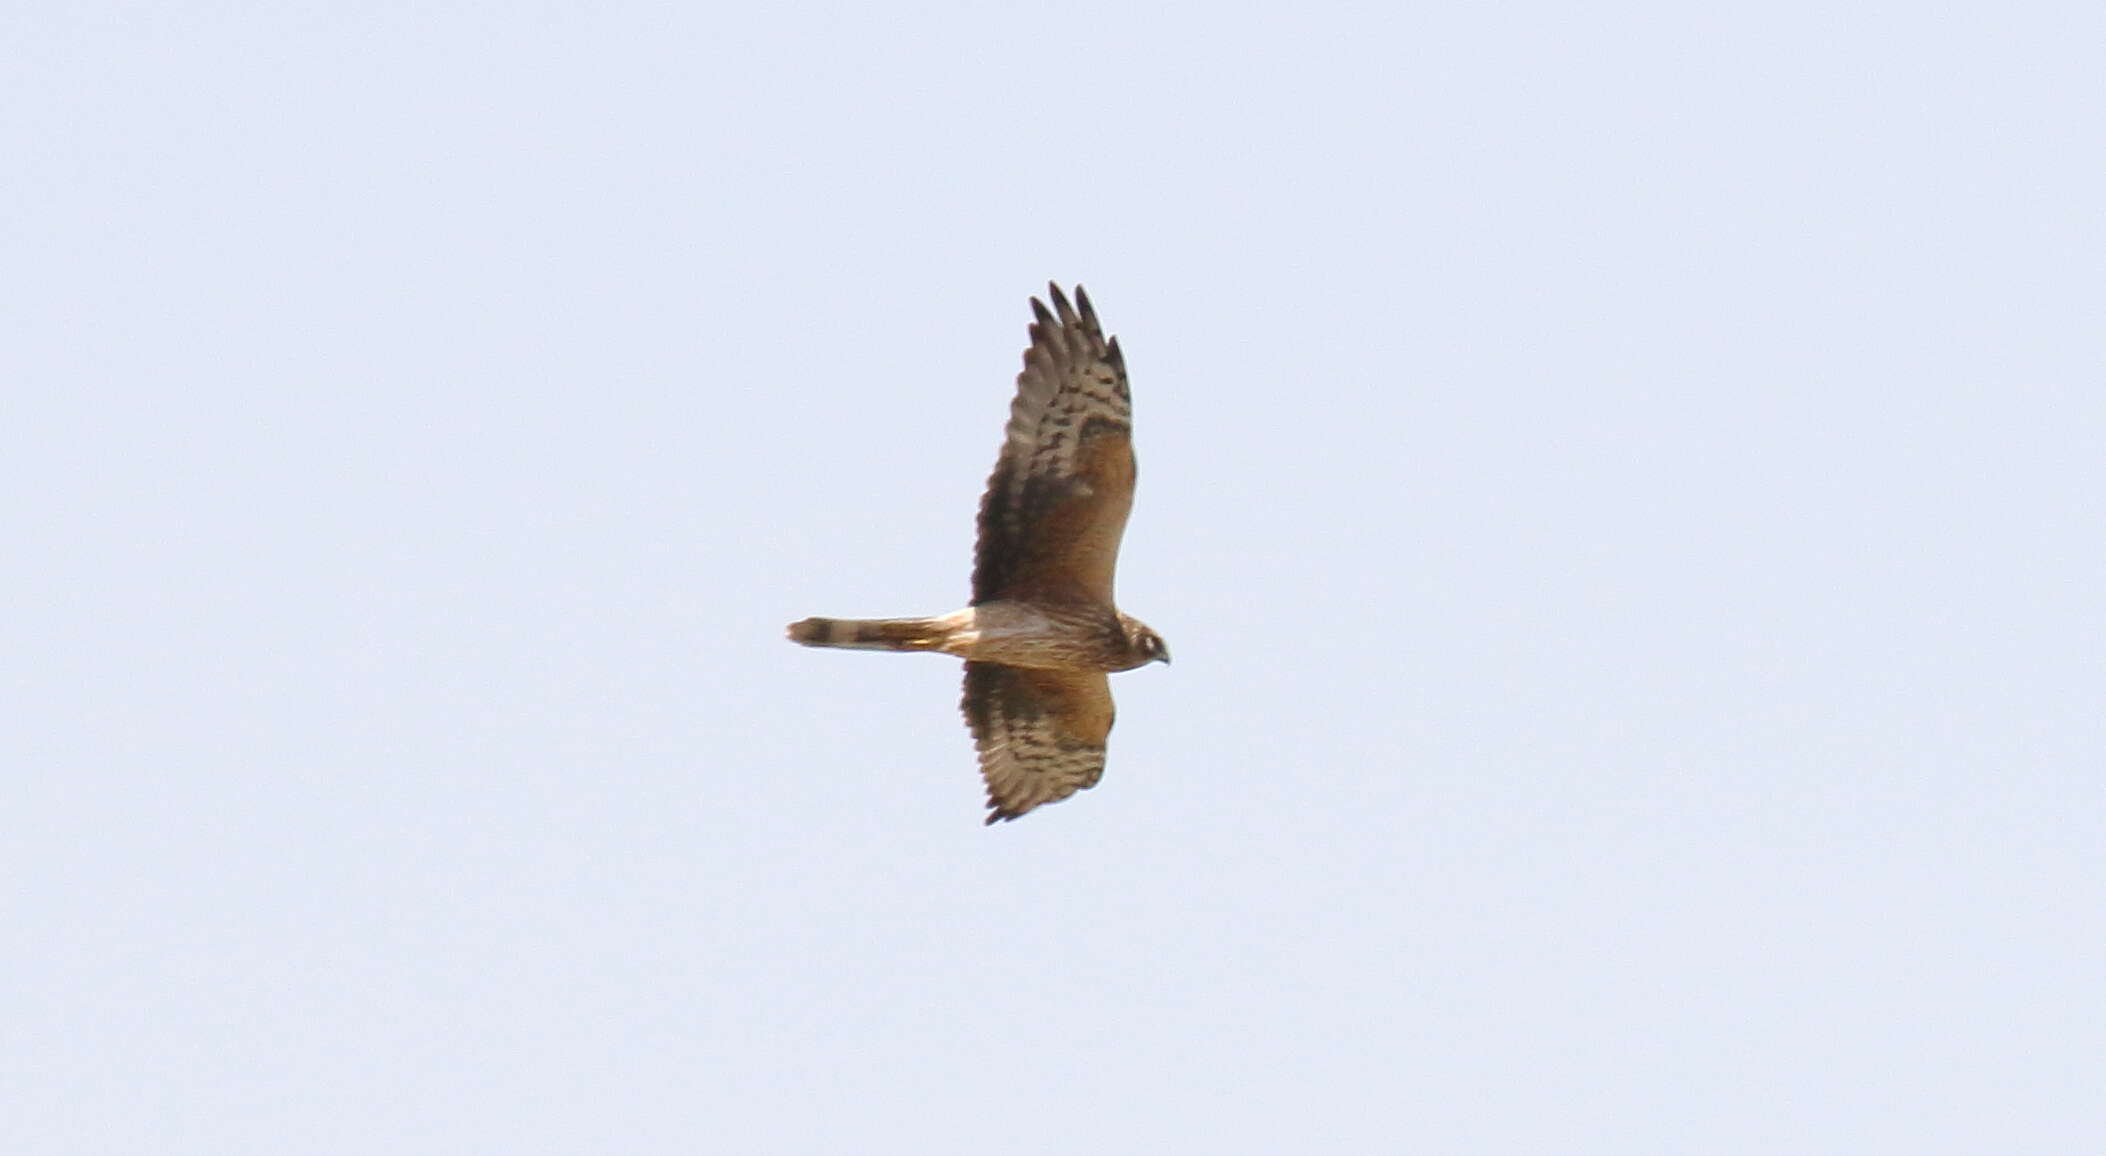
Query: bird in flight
pixel 1042 630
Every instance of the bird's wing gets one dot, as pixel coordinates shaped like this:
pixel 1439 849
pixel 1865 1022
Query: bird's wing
pixel 1040 733
pixel 1057 502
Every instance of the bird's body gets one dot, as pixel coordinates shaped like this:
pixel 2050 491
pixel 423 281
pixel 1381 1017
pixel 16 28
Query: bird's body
pixel 1042 630
pixel 1036 635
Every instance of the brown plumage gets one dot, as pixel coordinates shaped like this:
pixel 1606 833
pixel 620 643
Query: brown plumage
pixel 1042 629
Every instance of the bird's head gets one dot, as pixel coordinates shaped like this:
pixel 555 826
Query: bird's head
pixel 1143 644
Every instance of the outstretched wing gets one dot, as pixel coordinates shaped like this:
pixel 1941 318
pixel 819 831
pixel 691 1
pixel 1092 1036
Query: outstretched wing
pixel 1040 733
pixel 1057 503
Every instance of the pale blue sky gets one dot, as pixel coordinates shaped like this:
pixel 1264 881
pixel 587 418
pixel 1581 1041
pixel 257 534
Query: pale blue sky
pixel 1622 482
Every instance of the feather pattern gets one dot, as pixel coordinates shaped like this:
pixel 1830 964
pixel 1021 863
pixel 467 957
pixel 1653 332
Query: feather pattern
pixel 1040 734
pixel 1057 502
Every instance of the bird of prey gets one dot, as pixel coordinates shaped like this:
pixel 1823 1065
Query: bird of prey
pixel 1042 630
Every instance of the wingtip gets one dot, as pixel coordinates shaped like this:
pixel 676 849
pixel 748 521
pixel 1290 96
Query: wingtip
pixel 1001 813
pixel 1060 304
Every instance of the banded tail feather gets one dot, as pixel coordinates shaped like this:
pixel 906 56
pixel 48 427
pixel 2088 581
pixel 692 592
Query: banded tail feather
pixel 869 633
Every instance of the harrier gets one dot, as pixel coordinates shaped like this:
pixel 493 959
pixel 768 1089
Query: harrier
pixel 1042 630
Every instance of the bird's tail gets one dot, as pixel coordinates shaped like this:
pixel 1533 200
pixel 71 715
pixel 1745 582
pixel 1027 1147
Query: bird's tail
pixel 870 633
